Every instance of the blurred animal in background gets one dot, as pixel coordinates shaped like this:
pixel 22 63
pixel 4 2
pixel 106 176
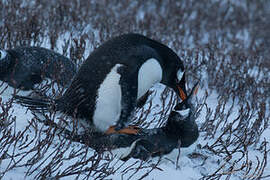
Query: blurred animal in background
pixel 25 67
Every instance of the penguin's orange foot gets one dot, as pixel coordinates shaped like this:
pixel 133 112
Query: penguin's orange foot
pixel 127 130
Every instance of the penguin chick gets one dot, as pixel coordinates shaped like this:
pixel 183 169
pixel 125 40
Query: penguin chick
pixel 181 122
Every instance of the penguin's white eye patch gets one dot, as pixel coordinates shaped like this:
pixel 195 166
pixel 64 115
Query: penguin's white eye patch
pixel 3 54
pixel 180 74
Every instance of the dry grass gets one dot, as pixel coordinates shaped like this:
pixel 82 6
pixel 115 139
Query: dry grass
pixel 226 42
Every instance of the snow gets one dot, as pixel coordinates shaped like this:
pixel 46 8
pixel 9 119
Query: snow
pixel 188 167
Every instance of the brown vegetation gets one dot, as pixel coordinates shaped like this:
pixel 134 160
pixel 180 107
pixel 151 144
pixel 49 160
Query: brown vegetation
pixel 225 44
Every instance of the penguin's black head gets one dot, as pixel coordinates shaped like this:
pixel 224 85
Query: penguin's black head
pixel 174 73
pixel 4 61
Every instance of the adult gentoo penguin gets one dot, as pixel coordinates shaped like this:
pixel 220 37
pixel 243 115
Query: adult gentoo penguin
pixel 24 67
pixel 113 78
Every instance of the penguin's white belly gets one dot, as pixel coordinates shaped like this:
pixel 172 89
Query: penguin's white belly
pixel 149 74
pixel 108 103
pixel 109 96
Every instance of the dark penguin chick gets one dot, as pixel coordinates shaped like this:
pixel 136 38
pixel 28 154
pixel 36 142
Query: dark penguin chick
pixel 24 67
pixel 181 122
pixel 109 83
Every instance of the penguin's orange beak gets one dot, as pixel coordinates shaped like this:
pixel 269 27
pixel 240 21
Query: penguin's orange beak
pixel 181 92
pixel 180 86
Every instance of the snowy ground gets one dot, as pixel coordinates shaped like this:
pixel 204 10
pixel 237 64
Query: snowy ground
pixel 194 162
pixel 225 44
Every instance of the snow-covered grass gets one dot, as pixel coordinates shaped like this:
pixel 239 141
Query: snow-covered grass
pixel 225 44
pixel 36 150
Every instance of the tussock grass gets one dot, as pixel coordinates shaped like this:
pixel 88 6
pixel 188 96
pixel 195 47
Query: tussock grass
pixel 225 44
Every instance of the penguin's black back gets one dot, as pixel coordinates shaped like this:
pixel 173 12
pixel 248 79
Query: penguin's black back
pixel 130 50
